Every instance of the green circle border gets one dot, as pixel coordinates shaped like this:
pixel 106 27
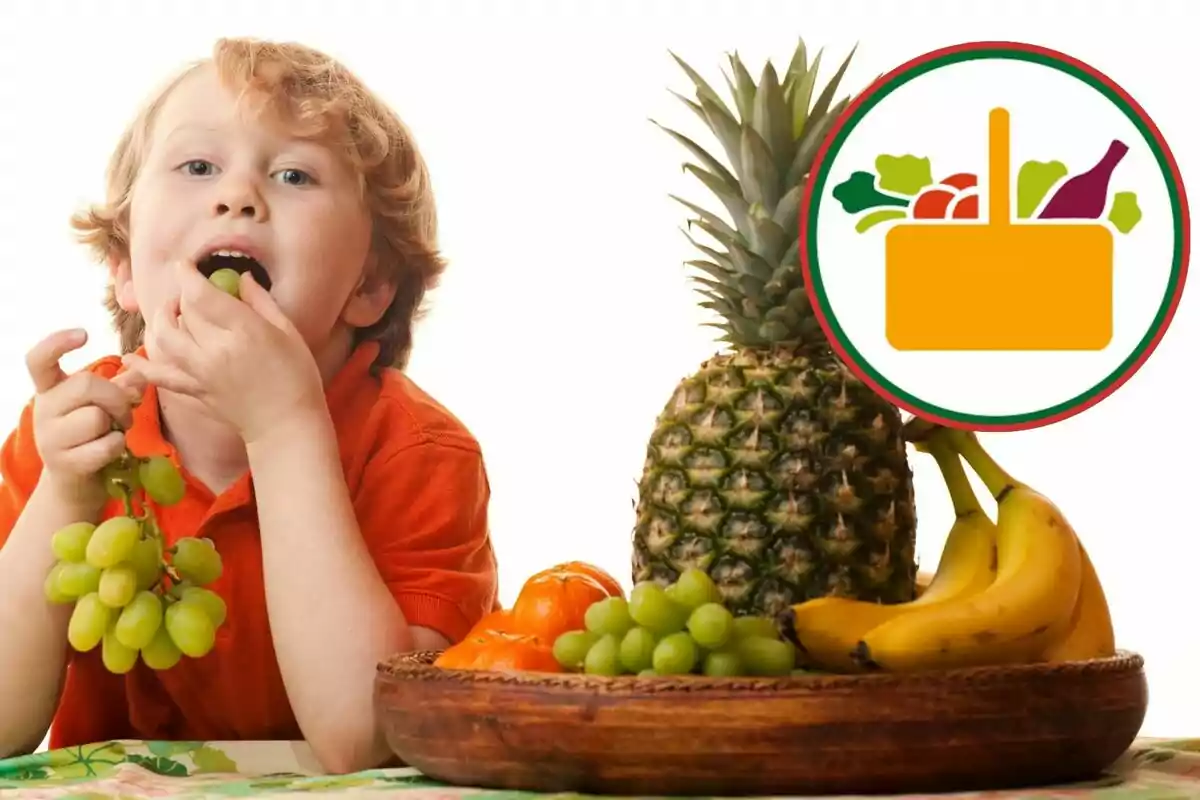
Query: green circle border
pixel 1171 178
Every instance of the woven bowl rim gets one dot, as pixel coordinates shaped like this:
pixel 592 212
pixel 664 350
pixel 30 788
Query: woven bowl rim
pixel 418 666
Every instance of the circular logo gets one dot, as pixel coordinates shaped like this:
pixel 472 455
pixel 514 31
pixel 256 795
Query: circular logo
pixel 995 236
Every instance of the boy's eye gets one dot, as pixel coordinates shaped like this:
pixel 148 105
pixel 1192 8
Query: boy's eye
pixel 295 177
pixel 198 167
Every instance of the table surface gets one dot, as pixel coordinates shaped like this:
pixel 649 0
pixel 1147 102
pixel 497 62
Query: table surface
pixel 131 770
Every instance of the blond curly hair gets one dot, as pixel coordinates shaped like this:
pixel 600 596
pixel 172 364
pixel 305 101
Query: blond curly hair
pixel 318 98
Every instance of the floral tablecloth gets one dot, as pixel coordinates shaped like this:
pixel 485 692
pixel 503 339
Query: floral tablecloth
pixel 131 770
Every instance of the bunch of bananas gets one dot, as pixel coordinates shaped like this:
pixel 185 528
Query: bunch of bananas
pixel 1018 590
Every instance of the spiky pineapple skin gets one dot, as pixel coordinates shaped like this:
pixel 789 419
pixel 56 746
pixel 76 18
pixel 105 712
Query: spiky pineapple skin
pixel 785 478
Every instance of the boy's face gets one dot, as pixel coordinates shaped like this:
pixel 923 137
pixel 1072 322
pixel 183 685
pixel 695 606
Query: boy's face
pixel 213 177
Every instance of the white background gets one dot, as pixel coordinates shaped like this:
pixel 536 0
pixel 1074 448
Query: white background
pixel 565 318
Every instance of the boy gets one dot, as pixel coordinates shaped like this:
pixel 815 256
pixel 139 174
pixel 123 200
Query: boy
pixel 350 509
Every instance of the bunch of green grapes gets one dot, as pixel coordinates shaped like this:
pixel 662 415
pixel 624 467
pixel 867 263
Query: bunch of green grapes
pixel 680 629
pixel 129 598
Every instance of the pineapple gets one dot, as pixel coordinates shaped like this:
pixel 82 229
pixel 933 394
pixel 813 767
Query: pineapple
pixel 773 467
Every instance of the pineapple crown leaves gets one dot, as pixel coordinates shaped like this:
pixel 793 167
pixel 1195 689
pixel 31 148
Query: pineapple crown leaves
pixel 769 136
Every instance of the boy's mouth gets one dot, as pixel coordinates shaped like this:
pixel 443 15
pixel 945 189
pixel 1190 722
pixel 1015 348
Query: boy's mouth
pixel 238 262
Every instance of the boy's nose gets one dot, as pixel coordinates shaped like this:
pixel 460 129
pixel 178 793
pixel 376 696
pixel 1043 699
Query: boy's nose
pixel 240 198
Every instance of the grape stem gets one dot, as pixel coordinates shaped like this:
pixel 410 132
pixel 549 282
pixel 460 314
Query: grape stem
pixel 152 527
pixel 126 497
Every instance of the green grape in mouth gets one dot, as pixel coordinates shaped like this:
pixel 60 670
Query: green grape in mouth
pixel 228 281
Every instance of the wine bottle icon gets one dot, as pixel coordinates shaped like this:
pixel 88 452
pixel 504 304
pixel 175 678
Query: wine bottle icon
pixel 1086 195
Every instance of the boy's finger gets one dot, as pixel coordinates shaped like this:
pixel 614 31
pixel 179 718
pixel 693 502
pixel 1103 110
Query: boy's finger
pixel 163 376
pixel 133 382
pixel 95 455
pixel 89 389
pixel 83 425
pixel 42 359
pixel 207 306
pixel 259 299
pixel 172 341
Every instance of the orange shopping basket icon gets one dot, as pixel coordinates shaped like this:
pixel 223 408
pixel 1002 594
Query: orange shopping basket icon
pixel 999 284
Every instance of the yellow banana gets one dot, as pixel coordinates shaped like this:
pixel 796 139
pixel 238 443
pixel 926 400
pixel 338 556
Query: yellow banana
pixel 1090 634
pixel 827 629
pixel 1028 606
pixel 968 561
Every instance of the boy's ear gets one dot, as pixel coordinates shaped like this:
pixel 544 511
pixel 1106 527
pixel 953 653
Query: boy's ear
pixel 370 299
pixel 122 279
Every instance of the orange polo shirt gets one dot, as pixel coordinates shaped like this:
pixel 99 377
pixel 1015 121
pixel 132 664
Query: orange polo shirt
pixel 417 481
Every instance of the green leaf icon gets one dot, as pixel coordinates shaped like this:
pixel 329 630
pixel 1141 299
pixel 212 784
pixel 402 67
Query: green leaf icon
pixel 904 175
pixel 1034 180
pixel 1125 213
pixel 869 221
pixel 858 193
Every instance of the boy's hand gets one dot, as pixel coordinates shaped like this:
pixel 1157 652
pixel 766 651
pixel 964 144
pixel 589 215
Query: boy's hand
pixel 73 418
pixel 241 357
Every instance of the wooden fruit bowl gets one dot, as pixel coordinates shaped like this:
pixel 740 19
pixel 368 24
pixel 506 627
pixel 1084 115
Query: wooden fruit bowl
pixel 980 728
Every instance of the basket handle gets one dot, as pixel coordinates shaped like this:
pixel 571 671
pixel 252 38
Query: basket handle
pixel 999 172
